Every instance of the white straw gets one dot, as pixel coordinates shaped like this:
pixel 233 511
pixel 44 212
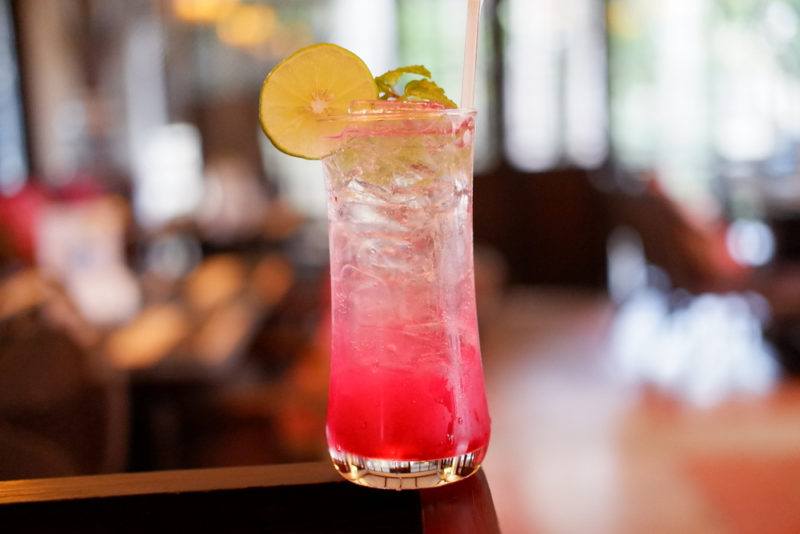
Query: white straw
pixel 470 53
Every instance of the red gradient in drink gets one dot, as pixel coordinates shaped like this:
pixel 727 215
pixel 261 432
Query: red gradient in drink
pixel 418 413
pixel 411 389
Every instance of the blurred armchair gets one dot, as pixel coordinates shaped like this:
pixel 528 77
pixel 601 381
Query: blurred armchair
pixel 62 412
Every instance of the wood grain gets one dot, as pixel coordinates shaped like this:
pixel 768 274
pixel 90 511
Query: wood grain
pixel 462 508
pixel 196 480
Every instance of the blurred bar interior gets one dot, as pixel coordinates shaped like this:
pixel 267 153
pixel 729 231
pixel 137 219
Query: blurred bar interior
pixel 163 269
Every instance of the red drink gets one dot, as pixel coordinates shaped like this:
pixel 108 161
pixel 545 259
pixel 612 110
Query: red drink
pixel 407 406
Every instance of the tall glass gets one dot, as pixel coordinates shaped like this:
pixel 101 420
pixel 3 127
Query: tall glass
pixel 406 407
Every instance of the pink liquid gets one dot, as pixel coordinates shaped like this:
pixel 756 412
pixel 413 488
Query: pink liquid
pixel 406 395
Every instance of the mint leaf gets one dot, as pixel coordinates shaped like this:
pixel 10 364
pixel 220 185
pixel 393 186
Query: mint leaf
pixel 388 80
pixel 427 90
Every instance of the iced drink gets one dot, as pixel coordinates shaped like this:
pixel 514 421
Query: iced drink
pixel 406 405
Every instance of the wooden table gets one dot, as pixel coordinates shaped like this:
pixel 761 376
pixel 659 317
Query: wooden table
pixel 296 498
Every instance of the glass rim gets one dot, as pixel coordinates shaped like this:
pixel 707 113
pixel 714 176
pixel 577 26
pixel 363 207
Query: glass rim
pixel 400 115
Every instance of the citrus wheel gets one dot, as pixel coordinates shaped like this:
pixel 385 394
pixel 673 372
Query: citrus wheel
pixel 304 91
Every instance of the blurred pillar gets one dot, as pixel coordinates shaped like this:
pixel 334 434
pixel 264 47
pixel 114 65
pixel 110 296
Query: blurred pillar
pixel 145 86
pixel 53 81
pixel 13 159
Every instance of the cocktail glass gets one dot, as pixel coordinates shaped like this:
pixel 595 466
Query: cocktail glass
pixel 407 406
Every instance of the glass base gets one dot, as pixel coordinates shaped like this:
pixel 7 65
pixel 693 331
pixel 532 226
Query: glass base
pixel 405 474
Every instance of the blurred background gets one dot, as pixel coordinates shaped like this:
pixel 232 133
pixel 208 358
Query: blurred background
pixel 163 269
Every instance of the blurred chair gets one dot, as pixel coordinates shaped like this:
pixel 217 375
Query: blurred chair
pixel 28 455
pixel 62 411
pixel 693 254
pixel 695 257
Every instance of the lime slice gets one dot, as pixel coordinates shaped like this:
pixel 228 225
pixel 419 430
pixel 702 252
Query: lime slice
pixel 304 90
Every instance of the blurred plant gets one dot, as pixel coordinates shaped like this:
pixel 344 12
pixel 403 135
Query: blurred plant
pixel 743 11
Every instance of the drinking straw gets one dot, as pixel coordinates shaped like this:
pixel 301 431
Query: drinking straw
pixel 470 53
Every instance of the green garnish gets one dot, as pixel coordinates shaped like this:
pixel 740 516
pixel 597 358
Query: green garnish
pixel 388 80
pixel 427 90
pixel 424 89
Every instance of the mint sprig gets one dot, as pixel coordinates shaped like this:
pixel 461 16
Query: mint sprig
pixel 427 90
pixel 415 90
pixel 388 80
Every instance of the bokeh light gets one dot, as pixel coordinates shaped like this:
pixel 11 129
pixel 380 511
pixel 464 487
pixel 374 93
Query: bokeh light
pixel 202 11
pixel 247 26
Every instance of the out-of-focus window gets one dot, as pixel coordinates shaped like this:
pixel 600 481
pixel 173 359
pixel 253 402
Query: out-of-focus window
pixel 13 163
pixel 703 89
pixel 659 79
pixel 555 83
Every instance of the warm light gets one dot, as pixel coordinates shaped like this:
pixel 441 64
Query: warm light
pixel 202 11
pixel 247 26
pixel 619 20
